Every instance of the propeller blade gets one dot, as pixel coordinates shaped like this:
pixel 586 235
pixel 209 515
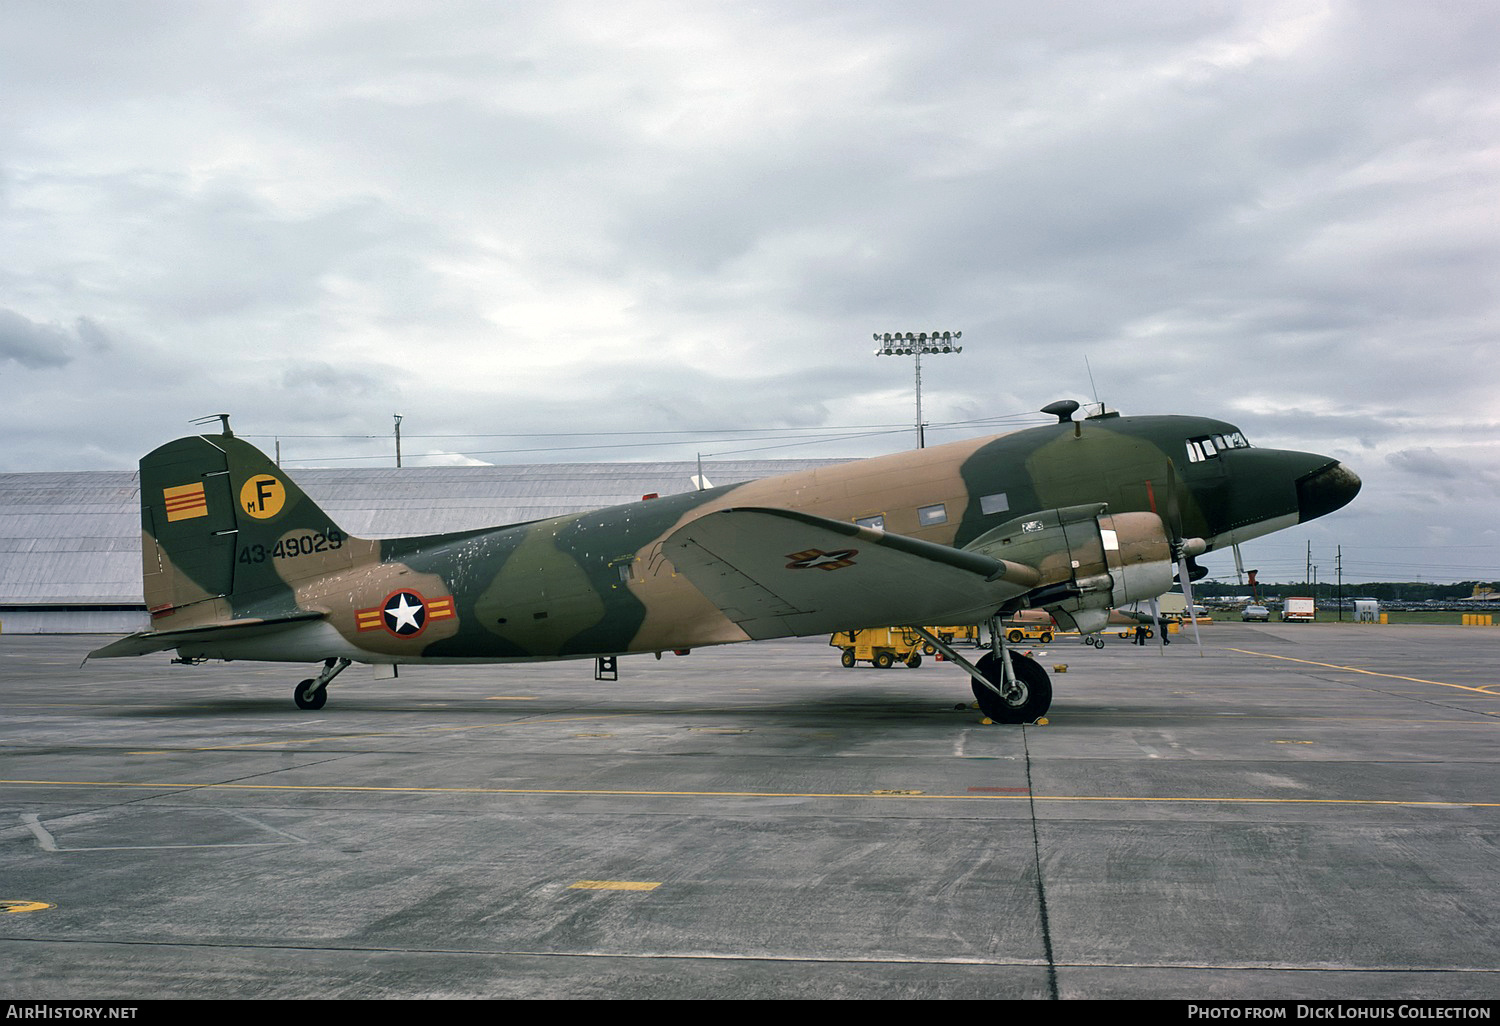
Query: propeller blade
pixel 1187 597
pixel 1180 551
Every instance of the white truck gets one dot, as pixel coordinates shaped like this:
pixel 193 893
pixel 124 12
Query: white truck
pixel 1298 609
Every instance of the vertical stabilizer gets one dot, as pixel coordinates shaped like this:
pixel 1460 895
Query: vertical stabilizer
pixel 226 534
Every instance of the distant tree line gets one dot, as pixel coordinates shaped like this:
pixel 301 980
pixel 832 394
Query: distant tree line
pixel 1386 591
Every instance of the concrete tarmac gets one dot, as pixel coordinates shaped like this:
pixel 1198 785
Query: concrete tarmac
pixel 1303 811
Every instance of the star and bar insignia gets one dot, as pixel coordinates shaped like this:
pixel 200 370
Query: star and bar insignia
pixel 404 613
pixel 817 559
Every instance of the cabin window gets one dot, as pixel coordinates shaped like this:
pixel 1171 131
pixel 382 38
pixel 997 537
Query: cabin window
pixel 931 516
pixel 1200 449
pixel 877 521
pixel 1209 446
pixel 996 503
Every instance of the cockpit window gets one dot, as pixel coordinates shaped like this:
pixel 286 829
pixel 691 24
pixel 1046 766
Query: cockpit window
pixel 1207 447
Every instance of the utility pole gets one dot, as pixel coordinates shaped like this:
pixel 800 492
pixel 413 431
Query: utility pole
pixel 398 438
pixel 1338 562
pixel 915 344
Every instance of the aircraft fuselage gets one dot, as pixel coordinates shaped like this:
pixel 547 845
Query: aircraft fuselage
pixel 600 583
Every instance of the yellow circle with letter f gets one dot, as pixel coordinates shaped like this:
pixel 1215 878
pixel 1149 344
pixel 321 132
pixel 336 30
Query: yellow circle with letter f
pixel 262 496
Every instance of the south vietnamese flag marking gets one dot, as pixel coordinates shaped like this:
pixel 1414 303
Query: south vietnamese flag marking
pixel 184 502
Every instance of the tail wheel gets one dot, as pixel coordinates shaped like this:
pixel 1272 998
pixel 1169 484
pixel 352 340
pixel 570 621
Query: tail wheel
pixel 1027 702
pixel 307 698
pixel 847 658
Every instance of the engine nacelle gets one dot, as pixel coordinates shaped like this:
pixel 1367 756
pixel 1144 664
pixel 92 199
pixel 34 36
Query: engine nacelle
pixel 1089 559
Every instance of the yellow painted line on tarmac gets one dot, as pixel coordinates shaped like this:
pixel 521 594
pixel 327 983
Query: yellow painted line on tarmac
pixel 884 795
pixel 9 906
pixel 613 885
pixel 1275 801
pixel 1373 673
pixel 387 733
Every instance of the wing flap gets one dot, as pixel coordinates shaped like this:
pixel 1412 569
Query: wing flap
pixel 780 573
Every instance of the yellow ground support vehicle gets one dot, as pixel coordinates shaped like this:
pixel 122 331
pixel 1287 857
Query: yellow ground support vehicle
pixel 966 634
pixel 882 646
pixel 1015 633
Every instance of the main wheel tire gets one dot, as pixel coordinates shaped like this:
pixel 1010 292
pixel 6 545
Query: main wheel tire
pixel 847 658
pixel 884 660
pixel 306 699
pixel 1031 701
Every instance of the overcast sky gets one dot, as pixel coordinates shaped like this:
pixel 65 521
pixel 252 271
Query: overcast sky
pixel 578 219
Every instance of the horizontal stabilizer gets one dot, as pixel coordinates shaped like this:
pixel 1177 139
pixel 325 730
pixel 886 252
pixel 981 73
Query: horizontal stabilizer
pixel 779 573
pixel 145 642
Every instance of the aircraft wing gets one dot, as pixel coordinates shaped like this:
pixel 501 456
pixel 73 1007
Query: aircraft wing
pixel 144 642
pixel 780 573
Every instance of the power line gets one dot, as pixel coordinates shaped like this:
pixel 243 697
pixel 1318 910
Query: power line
pixel 812 440
pixel 586 434
pixel 798 436
pixel 954 424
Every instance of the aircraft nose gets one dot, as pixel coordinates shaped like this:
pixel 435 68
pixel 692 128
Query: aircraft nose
pixel 1325 490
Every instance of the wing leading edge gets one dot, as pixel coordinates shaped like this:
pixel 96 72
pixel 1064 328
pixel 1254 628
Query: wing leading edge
pixel 780 573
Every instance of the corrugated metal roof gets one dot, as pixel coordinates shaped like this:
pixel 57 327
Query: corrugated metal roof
pixel 74 538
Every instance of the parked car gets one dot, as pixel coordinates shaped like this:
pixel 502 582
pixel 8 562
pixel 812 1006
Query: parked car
pixel 1260 613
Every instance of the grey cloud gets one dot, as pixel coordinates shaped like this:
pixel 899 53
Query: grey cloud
pixel 1425 463
pixel 322 382
pixel 33 345
pixel 1461 473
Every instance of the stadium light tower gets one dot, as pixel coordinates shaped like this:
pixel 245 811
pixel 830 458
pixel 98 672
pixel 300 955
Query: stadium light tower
pixel 916 344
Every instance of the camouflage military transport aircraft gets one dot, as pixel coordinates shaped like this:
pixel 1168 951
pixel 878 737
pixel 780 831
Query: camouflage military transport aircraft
pixel 1075 517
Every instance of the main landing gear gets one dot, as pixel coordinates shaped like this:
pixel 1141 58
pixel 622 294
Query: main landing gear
pixel 1010 687
pixel 1025 700
pixel 313 692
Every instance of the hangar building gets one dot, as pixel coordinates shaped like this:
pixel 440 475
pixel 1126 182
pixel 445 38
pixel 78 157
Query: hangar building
pixel 70 543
